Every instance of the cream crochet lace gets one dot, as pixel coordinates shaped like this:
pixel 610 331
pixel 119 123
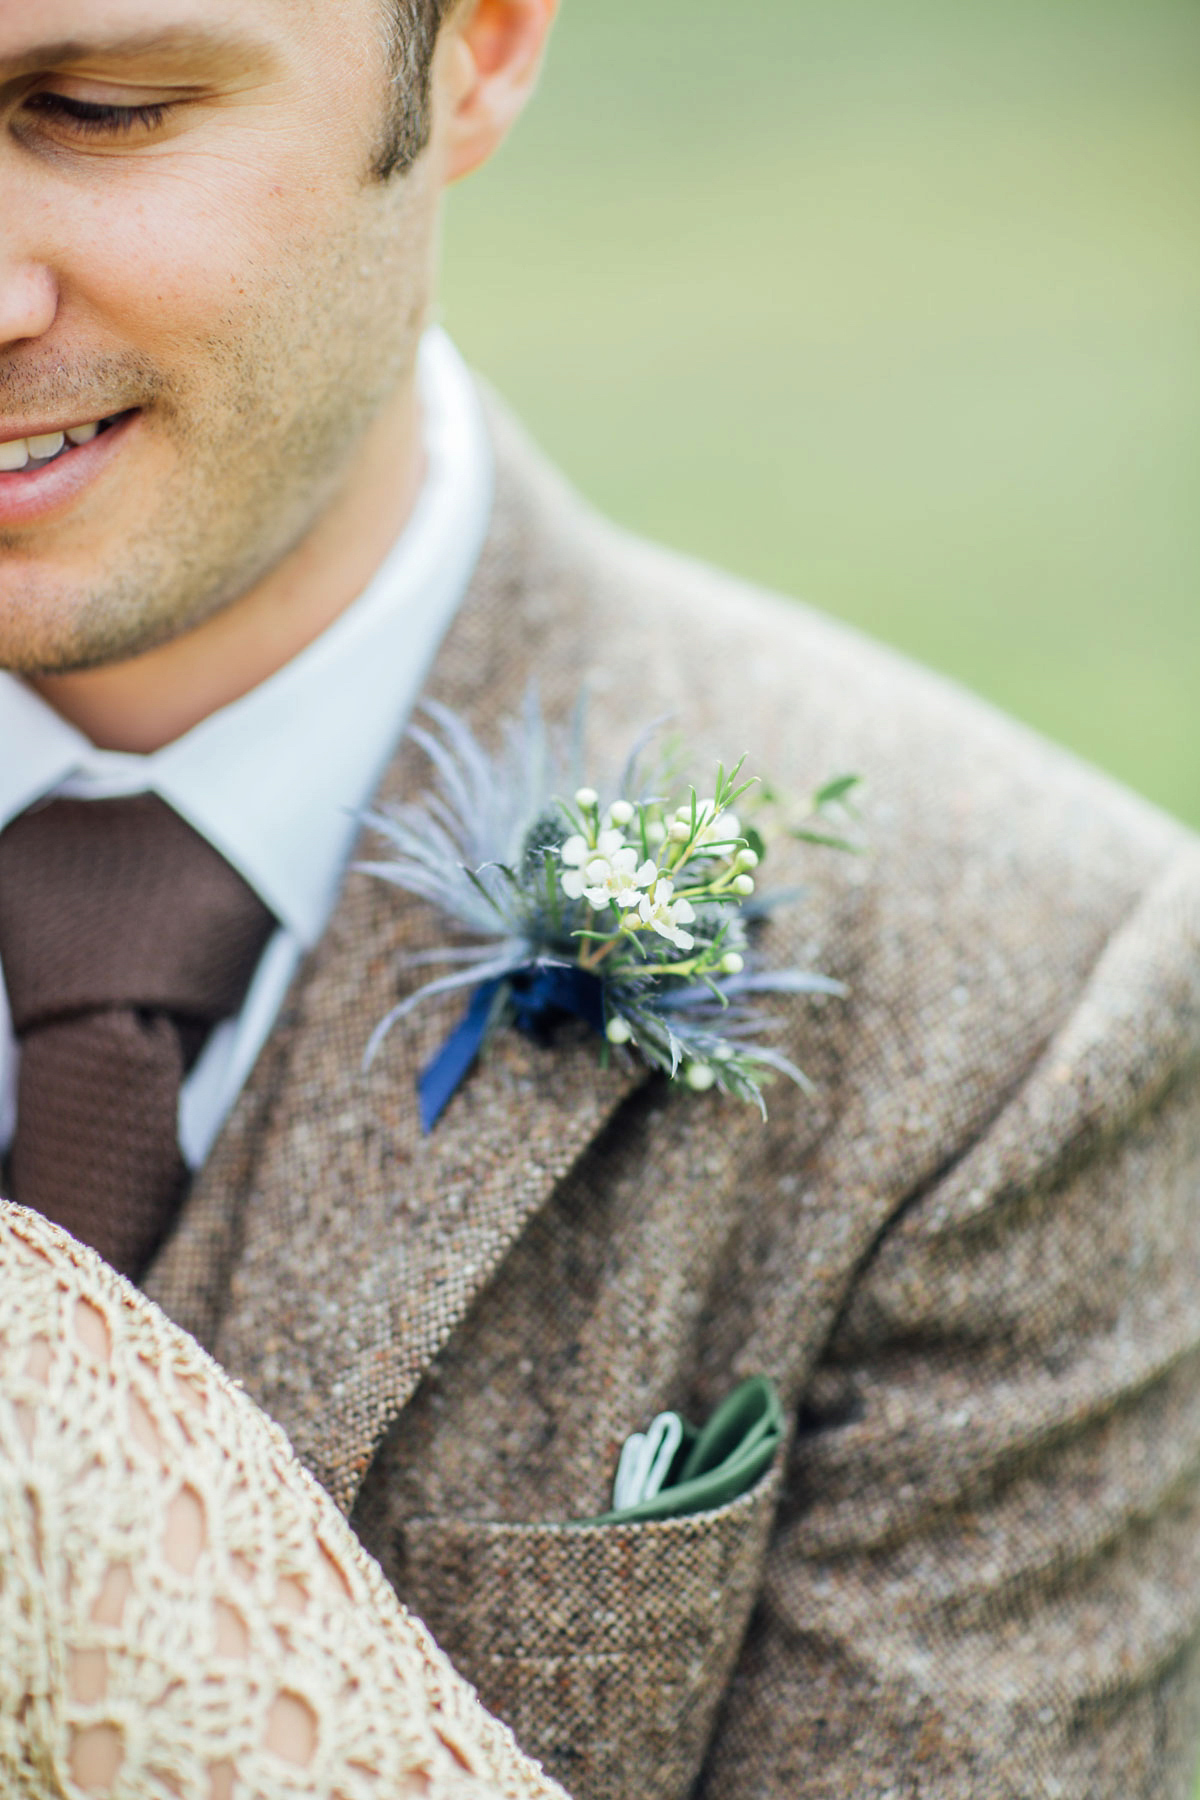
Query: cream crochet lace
pixel 183 1612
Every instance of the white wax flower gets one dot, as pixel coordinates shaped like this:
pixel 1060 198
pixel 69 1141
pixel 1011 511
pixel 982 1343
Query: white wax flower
pixel 611 873
pixel 666 915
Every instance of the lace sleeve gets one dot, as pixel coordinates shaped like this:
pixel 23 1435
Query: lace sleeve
pixel 183 1612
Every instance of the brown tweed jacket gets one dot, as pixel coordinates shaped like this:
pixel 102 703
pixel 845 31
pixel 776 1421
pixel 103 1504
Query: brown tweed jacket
pixel 972 1263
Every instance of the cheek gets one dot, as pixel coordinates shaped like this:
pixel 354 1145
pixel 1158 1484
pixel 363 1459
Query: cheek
pixel 183 258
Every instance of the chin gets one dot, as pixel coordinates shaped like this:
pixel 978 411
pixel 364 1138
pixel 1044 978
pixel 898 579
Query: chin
pixel 49 629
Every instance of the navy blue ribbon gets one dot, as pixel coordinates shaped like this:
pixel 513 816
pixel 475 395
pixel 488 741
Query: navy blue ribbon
pixel 539 996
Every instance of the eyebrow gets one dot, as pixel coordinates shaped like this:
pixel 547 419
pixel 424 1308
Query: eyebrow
pixel 194 49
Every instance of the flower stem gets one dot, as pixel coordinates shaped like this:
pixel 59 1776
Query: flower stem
pixel 592 959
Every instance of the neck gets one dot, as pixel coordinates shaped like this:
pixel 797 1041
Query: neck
pixel 146 702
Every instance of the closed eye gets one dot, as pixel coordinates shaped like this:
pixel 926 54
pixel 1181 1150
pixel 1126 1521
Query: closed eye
pixel 87 118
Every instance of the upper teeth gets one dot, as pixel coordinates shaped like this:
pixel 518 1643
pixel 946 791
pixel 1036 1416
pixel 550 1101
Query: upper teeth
pixel 18 451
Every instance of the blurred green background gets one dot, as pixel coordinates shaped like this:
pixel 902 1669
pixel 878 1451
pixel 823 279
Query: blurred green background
pixel 894 306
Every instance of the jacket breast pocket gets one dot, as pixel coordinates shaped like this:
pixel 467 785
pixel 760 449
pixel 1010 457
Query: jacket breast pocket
pixel 606 1648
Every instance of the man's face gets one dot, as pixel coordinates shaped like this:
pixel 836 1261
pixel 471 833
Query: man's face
pixel 195 258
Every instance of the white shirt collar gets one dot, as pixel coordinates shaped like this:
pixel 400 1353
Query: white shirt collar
pixel 275 780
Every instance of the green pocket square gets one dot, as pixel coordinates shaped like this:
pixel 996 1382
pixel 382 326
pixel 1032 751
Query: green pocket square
pixel 707 1468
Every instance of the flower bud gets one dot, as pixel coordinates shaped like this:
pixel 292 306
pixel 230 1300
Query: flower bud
pixel 656 831
pixel 680 831
pixel 587 798
pixel 746 859
pixel 699 1077
pixel 744 884
pixel 684 814
pixel 620 812
pixel 617 1031
pixel 732 963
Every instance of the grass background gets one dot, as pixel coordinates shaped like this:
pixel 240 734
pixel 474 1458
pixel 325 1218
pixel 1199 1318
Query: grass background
pixel 892 304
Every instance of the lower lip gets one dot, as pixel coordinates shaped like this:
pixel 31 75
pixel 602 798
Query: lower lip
pixel 30 494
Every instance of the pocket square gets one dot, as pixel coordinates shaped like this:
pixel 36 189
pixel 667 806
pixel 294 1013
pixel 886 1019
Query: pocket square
pixel 673 1469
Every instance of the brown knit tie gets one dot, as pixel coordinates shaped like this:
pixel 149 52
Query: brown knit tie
pixel 124 938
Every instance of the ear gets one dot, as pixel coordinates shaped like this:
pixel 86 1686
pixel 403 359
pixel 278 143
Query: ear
pixel 489 67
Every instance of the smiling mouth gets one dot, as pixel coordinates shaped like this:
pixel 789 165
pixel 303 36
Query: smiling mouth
pixel 29 454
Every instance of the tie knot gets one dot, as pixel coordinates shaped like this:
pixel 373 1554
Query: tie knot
pixel 121 903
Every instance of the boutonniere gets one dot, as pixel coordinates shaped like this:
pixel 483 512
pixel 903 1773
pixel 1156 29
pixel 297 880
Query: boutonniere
pixel 633 911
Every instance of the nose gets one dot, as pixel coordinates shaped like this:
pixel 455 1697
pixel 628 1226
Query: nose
pixel 28 300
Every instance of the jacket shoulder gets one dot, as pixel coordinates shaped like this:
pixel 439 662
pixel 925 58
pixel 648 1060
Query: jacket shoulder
pixel 970 814
pixel 733 656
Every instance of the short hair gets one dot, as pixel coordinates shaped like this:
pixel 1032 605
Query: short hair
pixel 411 30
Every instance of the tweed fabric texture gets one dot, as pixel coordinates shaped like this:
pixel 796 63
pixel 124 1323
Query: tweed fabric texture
pixel 695 1580
pixel 125 937
pixel 970 1263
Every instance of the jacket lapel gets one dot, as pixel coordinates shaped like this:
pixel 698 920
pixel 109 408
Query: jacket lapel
pixel 329 1250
